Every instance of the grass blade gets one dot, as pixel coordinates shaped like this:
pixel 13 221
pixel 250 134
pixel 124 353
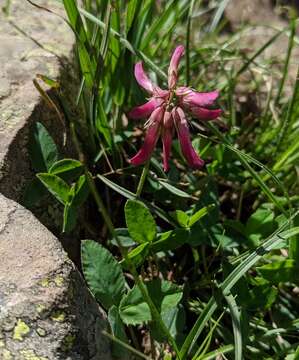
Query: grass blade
pixel 288 57
pixel 257 53
pixel 236 320
pixel 125 346
pixel 253 173
pixel 125 43
pixel 130 195
pixel 189 20
pixel 218 15
pixel 214 354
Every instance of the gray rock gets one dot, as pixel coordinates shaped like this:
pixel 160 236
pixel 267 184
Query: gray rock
pixel 46 310
pixel 32 42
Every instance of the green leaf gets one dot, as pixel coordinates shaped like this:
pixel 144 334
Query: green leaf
pixel 67 168
pixel 79 192
pixel 170 240
pixel 56 186
pixel 174 319
pixel 208 198
pixel 181 217
pixel 76 197
pixel 261 297
pixel 70 215
pixel 171 14
pixel 245 159
pixel 259 225
pixel 124 238
pixel 102 123
pixel 280 271
pixel 140 222
pixel 131 11
pixel 118 330
pixel 129 195
pixel 103 273
pixel 42 148
pixel 138 255
pixel 199 214
pixel 134 310
pixel 75 20
pixel 174 190
pixel 86 65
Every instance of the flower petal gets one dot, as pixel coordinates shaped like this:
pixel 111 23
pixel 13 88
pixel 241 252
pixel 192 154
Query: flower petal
pixel 182 90
pixel 145 110
pixel 188 151
pixel 142 79
pixel 159 93
pixel 173 66
pixel 205 114
pixel 195 98
pixel 150 139
pixel 167 138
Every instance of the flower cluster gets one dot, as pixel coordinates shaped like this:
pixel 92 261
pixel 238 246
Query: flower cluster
pixel 166 110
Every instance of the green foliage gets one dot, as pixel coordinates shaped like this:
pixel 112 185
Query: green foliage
pixel 259 225
pixel 141 225
pixel 283 271
pixel 102 273
pixel 117 330
pixel 42 148
pixel 57 187
pixel 78 194
pixel 165 295
pixel 66 168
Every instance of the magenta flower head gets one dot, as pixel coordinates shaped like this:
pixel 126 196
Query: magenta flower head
pixel 166 112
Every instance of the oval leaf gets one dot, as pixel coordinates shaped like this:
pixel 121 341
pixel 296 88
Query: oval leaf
pixel 102 273
pixel 66 168
pixel 42 148
pixel 134 310
pixel 56 186
pixel 140 223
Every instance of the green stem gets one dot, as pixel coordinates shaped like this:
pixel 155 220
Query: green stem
pixel 155 313
pixel 188 32
pixel 102 209
pixel 142 179
pixel 288 57
pixel 125 345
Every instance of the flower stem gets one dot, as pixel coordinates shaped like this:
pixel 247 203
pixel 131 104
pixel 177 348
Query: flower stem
pixel 142 179
pixel 190 13
pixel 155 313
pixel 102 209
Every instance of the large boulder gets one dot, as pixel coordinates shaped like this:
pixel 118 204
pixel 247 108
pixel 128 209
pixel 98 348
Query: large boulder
pixel 46 310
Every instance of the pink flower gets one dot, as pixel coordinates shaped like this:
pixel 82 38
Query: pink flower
pixel 165 111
